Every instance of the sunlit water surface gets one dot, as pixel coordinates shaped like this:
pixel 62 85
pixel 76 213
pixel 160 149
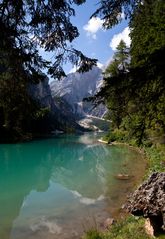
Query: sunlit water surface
pixel 61 187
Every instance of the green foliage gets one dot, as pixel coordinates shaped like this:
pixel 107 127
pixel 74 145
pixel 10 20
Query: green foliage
pixel 150 16
pixel 130 228
pixel 156 158
pixel 112 92
pixel 134 89
pixel 127 228
pixel 120 61
pixel 116 135
pixel 111 11
pixel 93 234
pixel 42 112
pixel 27 25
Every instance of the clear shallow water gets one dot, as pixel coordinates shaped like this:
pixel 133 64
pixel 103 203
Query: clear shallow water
pixel 60 187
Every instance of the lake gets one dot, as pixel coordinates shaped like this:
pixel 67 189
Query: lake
pixel 63 186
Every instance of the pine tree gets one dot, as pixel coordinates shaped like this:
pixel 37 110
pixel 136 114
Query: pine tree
pixel 115 82
pixel 136 95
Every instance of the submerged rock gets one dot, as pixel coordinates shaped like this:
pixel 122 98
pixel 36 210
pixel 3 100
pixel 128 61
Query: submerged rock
pixel 122 176
pixel 108 223
pixel 149 201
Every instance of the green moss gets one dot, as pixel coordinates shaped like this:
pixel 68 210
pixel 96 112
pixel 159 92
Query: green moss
pixel 128 228
pixel 93 234
pixel 69 130
pixel 116 135
pixel 156 158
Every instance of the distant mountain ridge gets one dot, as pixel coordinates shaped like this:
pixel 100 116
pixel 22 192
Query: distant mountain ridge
pixel 77 86
pixel 64 99
pixel 57 118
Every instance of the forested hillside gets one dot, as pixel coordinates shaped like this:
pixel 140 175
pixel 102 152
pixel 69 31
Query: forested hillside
pixel 134 89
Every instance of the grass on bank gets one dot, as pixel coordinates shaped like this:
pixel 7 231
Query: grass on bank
pixel 129 228
pixel 156 158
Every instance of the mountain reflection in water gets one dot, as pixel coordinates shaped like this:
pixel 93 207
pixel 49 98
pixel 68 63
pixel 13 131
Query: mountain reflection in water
pixel 59 187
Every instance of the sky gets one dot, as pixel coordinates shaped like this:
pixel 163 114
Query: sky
pixel 94 41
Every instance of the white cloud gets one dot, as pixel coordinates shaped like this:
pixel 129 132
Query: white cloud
pixel 85 200
pixel 124 35
pixel 52 227
pixel 93 26
pixel 100 65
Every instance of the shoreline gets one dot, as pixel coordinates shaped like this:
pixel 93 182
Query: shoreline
pixel 154 158
pixel 140 150
pixel 142 154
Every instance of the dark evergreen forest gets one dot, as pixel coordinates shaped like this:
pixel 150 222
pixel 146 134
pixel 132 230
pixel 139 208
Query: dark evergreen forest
pixel 134 89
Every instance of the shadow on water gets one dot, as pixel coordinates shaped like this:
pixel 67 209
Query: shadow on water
pixel 55 188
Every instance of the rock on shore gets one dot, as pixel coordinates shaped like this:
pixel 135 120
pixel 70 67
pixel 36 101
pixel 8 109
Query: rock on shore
pixel 149 201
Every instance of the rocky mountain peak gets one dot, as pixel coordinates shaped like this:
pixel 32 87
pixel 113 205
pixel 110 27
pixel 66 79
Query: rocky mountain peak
pixel 77 86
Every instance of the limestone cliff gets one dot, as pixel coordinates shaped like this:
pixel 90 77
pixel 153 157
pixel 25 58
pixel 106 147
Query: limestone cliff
pixel 77 86
pixel 57 119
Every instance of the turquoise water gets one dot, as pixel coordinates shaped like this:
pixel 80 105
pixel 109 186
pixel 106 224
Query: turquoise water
pixel 61 187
